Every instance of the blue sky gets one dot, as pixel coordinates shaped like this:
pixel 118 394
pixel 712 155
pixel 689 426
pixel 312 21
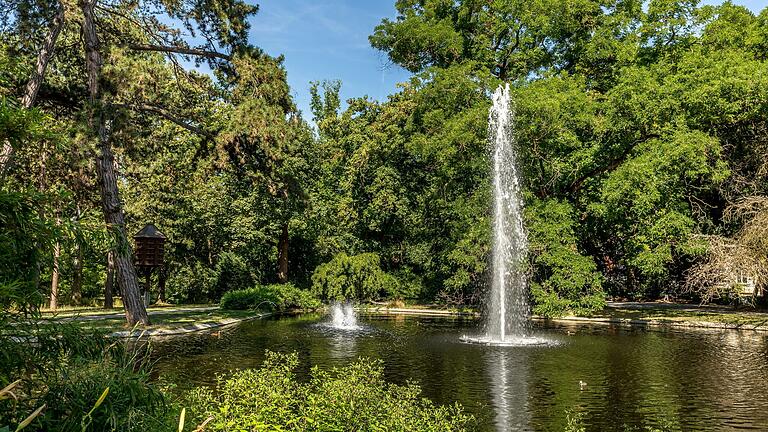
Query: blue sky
pixel 329 40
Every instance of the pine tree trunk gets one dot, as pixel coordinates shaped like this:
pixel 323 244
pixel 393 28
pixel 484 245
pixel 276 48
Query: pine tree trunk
pixel 108 285
pixel 55 277
pixel 125 271
pixel 135 312
pixel 282 256
pixel 42 185
pixel 36 80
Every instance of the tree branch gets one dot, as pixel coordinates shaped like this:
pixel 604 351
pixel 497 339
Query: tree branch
pixel 162 112
pixel 180 50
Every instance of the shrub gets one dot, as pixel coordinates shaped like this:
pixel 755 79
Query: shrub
pixel 23 237
pixel 408 287
pixel 273 297
pixel 548 303
pixel 354 398
pixel 348 277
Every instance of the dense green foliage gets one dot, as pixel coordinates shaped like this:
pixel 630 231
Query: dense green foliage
pixel 641 127
pixel 637 127
pixel 351 398
pixel 357 277
pixel 276 297
pixel 564 280
pixel 21 233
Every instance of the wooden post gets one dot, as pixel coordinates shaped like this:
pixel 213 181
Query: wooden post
pixel 109 284
pixel 161 285
pixel 149 256
pixel 147 285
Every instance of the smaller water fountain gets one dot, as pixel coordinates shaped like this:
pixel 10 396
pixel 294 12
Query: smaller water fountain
pixel 343 316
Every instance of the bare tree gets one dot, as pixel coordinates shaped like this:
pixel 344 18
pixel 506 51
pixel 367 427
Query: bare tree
pixel 729 259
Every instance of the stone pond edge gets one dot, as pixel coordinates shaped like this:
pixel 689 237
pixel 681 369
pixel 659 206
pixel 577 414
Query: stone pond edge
pixel 654 323
pixel 140 333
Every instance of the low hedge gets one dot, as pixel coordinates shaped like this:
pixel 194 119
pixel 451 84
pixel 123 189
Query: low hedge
pixel 279 297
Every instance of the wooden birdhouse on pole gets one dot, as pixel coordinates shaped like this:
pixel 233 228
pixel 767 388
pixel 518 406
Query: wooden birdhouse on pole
pixel 150 246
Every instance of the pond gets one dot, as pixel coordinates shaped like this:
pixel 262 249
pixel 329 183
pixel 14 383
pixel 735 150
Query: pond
pixel 632 379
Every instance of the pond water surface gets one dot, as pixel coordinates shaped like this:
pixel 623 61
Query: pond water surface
pixel 634 379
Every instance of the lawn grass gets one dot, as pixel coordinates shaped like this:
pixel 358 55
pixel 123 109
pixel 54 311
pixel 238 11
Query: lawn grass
pixel 69 311
pixel 170 320
pixel 169 317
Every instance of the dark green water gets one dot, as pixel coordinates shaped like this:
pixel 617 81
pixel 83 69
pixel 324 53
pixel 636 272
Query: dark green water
pixel 635 379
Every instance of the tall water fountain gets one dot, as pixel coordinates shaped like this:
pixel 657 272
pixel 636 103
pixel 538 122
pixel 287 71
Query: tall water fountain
pixel 508 300
pixel 507 303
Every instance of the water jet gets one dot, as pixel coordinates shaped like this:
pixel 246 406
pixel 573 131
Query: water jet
pixel 507 321
pixel 343 316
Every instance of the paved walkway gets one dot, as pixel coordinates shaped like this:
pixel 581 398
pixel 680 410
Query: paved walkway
pixel 182 330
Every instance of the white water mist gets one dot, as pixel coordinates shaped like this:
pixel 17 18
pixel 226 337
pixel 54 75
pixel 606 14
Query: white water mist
pixel 343 316
pixel 508 308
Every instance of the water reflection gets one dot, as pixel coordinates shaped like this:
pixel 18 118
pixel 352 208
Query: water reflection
pixel 508 373
pixel 342 346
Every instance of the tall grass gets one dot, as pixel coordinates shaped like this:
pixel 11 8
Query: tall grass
pixel 68 370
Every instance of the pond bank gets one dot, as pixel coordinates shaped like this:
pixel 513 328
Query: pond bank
pixel 635 314
pixel 184 320
pixel 194 328
pixel 165 321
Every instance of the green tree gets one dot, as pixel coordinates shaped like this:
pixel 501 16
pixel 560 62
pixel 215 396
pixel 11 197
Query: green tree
pixel 357 277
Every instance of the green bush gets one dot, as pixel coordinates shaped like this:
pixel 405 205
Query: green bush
pixel 195 282
pixel 357 277
pixel 351 398
pixel 190 284
pixel 548 303
pixel 273 297
pixel 408 287
pixel 24 238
